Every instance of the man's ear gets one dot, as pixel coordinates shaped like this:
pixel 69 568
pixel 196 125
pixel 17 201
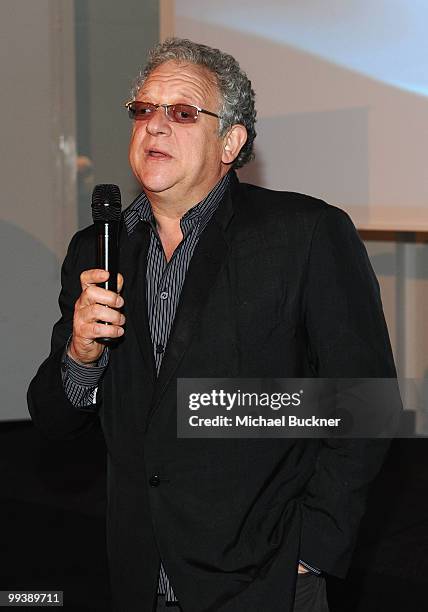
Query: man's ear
pixel 233 142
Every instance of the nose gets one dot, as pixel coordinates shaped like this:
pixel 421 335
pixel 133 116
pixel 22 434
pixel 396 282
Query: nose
pixel 159 122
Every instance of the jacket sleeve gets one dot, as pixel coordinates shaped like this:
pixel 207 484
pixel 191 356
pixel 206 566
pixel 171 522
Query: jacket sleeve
pixel 347 338
pixel 49 406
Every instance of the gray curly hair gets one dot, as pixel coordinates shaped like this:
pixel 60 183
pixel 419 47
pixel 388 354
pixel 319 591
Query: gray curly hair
pixel 237 95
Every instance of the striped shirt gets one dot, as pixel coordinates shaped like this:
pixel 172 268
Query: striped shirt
pixel 164 282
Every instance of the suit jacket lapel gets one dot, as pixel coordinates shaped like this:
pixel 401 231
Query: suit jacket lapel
pixel 133 263
pixel 210 254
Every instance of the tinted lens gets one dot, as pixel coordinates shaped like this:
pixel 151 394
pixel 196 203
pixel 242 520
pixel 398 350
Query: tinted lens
pixel 183 113
pixel 141 110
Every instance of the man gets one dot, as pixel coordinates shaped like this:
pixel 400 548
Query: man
pixel 220 279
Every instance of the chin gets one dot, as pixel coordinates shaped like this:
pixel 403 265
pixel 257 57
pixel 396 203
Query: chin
pixel 157 177
pixel 155 186
pixel 154 183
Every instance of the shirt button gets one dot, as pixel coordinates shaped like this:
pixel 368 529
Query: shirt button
pixel 154 481
pixel 160 348
pixel 163 295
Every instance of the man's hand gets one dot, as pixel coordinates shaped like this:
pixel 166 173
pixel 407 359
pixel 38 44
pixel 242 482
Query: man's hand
pixel 302 569
pixel 90 308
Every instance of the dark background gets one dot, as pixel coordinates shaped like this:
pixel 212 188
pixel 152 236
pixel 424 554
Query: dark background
pixel 52 514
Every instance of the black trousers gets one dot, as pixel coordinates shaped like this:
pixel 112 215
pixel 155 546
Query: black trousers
pixel 311 596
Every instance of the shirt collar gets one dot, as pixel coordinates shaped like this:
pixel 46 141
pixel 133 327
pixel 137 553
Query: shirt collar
pixel 200 214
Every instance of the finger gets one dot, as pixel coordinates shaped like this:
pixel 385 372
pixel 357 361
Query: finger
pixel 119 282
pixel 92 277
pixel 98 312
pixel 86 318
pixel 94 314
pixel 97 295
pixel 98 330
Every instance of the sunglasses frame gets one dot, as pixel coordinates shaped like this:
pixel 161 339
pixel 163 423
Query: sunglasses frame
pixel 167 107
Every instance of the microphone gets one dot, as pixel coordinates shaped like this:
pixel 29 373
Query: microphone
pixel 106 210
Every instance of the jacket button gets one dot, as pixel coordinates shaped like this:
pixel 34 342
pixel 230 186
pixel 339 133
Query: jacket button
pixel 154 481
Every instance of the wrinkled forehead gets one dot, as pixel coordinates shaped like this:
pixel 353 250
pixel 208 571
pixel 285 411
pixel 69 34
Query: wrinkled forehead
pixel 187 81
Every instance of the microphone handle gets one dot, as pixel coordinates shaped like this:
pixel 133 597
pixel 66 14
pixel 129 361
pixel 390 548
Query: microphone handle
pixel 107 259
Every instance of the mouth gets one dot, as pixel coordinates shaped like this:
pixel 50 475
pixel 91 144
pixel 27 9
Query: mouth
pixel 157 154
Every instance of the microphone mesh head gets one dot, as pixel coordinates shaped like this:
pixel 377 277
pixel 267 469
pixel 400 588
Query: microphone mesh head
pixel 106 203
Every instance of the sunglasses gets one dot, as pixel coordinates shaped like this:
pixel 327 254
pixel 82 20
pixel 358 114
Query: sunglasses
pixel 180 113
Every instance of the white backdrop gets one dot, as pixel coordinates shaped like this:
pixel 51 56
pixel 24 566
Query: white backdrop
pixel 341 96
pixel 38 209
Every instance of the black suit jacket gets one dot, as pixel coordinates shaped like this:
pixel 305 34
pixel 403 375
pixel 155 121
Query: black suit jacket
pixel 279 285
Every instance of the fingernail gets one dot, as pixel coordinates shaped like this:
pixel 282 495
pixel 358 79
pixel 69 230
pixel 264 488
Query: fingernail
pixel 120 331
